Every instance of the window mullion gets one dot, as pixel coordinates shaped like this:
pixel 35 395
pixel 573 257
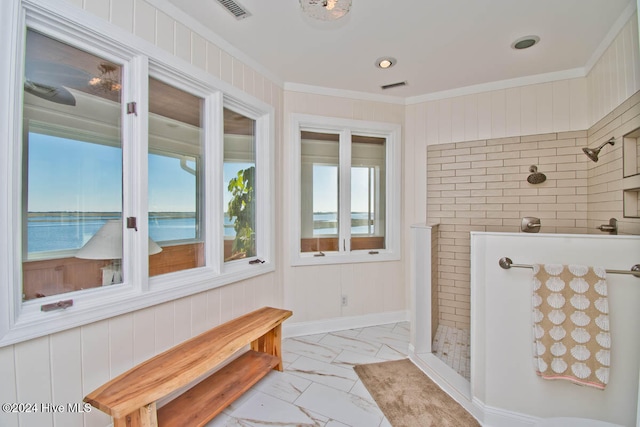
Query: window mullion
pixel 265 246
pixel 377 205
pixel 135 177
pixel 344 177
pixel 213 185
pixel 370 208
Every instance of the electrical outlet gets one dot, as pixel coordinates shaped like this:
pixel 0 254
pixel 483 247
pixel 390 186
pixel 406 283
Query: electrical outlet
pixel 345 301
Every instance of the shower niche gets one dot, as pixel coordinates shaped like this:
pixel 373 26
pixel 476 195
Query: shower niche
pixel 631 174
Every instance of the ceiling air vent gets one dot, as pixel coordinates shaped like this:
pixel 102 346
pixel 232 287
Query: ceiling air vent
pixel 389 86
pixel 235 9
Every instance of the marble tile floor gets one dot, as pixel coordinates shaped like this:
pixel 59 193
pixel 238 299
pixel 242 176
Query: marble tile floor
pixel 452 346
pixel 319 386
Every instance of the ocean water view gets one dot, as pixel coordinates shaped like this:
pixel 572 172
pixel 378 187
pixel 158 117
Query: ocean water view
pixel 326 223
pixel 56 231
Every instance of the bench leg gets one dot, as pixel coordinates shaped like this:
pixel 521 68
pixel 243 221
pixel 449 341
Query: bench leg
pixel 143 417
pixel 270 343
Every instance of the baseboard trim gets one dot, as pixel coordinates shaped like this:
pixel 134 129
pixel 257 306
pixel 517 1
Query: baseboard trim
pixel 497 417
pixel 342 323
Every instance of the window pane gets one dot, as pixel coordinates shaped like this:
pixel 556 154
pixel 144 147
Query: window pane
pixel 175 178
pixel 239 186
pixel 320 154
pixel 367 193
pixel 72 185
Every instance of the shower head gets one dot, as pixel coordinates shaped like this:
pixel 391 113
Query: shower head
pixel 536 177
pixel 592 153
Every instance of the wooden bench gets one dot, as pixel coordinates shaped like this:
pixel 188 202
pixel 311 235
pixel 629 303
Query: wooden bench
pixel 131 397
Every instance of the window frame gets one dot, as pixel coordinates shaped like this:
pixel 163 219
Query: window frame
pixel 345 128
pixel 20 320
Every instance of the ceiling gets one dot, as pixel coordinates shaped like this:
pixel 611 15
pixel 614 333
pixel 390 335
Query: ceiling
pixel 439 45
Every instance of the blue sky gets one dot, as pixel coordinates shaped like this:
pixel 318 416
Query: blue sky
pixel 171 189
pixel 68 175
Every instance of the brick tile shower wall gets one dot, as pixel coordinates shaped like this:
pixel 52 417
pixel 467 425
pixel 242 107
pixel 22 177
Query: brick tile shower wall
pixel 482 186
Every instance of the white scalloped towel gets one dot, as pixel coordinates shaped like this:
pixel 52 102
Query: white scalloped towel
pixel 571 324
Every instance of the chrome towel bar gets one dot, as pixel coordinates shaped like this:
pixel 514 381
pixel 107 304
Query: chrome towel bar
pixel 506 263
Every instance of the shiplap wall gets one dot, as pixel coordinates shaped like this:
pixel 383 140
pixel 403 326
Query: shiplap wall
pixel 525 110
pixel 616 74
pixel 62 368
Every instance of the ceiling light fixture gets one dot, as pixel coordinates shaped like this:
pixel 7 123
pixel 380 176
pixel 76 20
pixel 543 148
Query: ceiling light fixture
pixel 525 42
pixel 326 10
pixel 385 62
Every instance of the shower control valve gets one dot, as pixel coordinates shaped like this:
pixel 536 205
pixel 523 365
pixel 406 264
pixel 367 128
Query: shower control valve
pixel 612 227
pixel 530 224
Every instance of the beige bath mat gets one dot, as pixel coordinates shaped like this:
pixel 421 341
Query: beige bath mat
pixel 408 398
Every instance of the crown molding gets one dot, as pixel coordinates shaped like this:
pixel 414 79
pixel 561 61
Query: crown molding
pixel 446 94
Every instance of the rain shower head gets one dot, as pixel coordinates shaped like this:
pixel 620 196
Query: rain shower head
pixel 592 153
pixel 536 177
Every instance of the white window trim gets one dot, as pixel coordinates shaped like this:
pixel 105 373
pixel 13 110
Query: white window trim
pixel 345 127
pixel 23 321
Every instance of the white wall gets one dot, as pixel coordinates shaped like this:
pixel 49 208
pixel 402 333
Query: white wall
pixel 502 374
pixel 616 74
pixel 524 110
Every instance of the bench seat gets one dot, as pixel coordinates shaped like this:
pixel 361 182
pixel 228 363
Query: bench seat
pixel 131 397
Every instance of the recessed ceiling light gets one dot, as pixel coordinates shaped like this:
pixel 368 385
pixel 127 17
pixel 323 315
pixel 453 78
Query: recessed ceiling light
pixel 385 62
pixel 525 42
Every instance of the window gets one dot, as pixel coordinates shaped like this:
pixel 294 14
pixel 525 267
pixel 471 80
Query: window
pixel 128 176
pixel 319 192
pixel 368 192
pixel 347 194
pixel 175 179
pixel 239 186
pixel 72 155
